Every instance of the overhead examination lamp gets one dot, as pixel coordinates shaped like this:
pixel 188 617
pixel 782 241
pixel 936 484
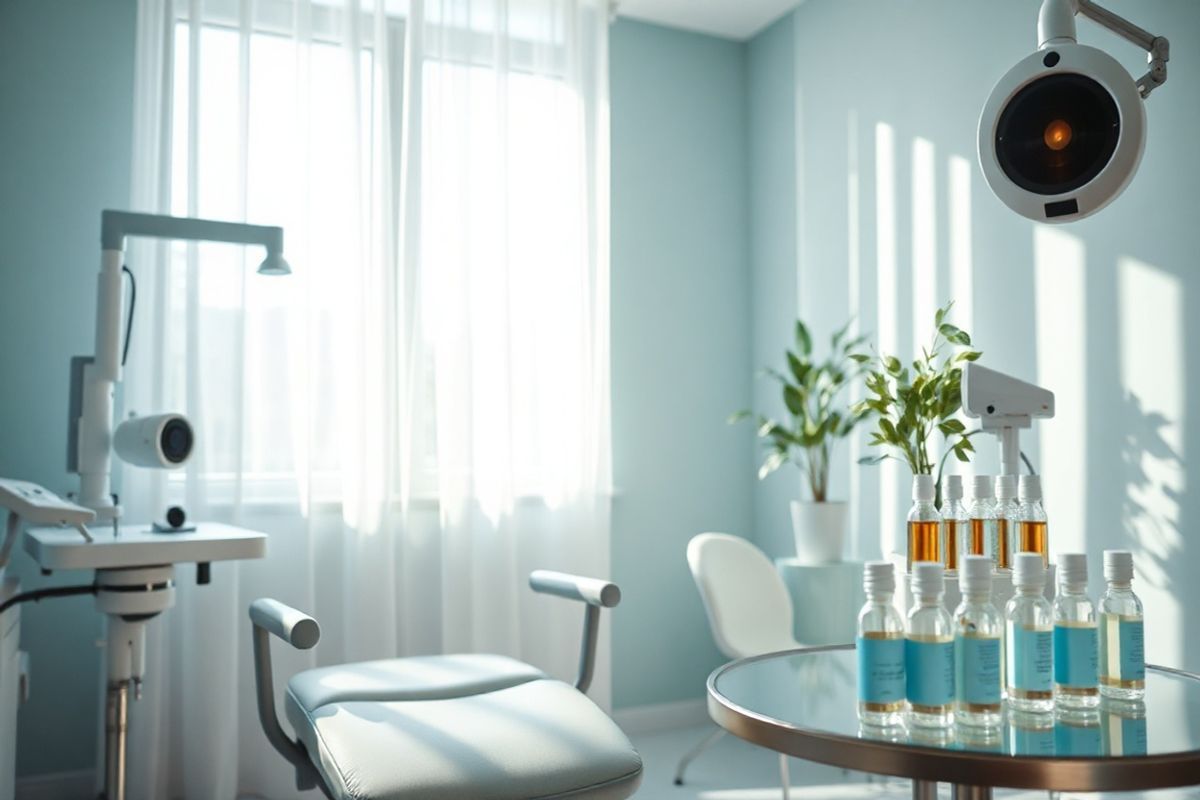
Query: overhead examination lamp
pixel 161 441
pixel 1063 131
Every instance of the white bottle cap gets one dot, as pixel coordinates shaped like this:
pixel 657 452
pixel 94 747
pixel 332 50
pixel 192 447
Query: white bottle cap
pixel 1028 571
pixel 1118 566
pixel 879 577
pixel 981 487
pixel 975 577
pixel 923 489
pixel 927 579
pixel 1029 488
pixel 1006 487
pixel 953 489
pixel 1072 569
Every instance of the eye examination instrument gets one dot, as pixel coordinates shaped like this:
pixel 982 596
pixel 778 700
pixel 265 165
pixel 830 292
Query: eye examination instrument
pixel 134 564
pixel 1004 405
pixel 1062 133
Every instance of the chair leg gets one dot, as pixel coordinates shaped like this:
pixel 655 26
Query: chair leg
pixel 692 754
pixel 785 779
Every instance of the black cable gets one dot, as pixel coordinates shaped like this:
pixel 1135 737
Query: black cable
pixel 40 594
pixel 1028 465
pixel 129 317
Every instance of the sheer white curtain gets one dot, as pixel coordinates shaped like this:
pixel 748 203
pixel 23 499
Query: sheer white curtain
pixel 419 414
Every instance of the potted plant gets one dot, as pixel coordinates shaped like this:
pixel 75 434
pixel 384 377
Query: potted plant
pixel 817 418
pixel 911 404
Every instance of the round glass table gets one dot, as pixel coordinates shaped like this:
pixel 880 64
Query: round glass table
pixel 804 703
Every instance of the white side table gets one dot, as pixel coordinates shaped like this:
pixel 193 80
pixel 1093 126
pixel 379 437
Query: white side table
pixel 826 599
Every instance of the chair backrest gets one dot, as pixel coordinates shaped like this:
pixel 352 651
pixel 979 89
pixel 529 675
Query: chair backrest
pixel 749 609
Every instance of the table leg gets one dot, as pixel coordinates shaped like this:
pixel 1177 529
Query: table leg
pixel 964 792
pixel 924 790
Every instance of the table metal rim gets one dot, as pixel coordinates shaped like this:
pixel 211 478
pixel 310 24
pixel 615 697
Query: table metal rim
pixel 1076 774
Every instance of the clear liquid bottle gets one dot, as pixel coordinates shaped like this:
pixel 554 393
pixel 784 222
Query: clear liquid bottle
pixel 1008 514
pixel 1122 642
pixel 955 521
pixel 1032 532
pixel 977 633
pixel 983 519
pixel 1028 622
pixel 929 651
pixel 1075 636
pixel 924 523
pixel 880 647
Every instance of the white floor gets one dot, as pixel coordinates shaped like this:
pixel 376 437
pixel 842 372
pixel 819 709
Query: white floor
pixel 735 770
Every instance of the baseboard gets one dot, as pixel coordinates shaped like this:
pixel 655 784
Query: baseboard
pixel 57 786
pixel 661 716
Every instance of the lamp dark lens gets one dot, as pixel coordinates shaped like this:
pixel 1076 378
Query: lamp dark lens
pixel 176 441
pixel 1057 133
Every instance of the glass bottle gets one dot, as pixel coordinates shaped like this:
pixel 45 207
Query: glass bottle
pixel 1075 636
pixel 1032 533
pixel 1028 624
pixel 1008 513
pixel 977 631
pixel 929 651
pixel 955 522
pixel 924 523
pixel 983 519
pixel 880 648
pixel 1122 644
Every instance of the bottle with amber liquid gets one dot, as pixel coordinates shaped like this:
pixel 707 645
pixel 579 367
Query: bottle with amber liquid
pixel 956 521
pixel 1008 514
pixel 982 541
pixel 924 523
pixel 1032 534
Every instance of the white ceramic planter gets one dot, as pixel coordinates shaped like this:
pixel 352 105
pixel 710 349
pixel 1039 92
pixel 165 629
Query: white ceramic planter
pixel 820 531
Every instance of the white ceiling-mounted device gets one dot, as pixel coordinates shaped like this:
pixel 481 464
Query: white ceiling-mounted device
pixel 162 441
pixel 1063 131
pixel 1004 405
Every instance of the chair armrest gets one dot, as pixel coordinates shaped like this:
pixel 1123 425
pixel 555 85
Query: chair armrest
pixel 597 594
pixel 592 591
pixel 302 632
pixel 294 627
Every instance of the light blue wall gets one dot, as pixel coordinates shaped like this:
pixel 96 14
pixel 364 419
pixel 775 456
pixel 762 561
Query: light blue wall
pixel 1116 474
pixel 680 322
pixel 66 107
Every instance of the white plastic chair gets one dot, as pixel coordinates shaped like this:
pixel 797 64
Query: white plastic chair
pixel 749 611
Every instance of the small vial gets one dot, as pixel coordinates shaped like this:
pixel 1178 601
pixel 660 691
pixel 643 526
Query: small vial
pixel 924 523
pixel 983 519
pixel 880 648
pixel 977 631
pixel 929 651
pixel 1029 627
pixel 1122 643
pixel 1008 514
pixel 1032 534
pixel 1075 636
pixel 955 522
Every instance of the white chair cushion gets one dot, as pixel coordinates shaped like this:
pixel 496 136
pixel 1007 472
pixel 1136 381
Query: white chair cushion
pixel 414 678
pixel 536 739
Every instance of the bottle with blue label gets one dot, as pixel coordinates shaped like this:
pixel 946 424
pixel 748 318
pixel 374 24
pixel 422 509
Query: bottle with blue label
pixel 977 632
pixel 880 648
pixel 1029 625
pixel 1076 675
pixel 1122 643
pixel 929 650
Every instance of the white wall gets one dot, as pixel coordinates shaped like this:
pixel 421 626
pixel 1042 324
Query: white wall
pixel 887 192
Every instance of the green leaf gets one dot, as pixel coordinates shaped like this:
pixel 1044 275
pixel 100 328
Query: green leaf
pixel 772 462
pixel 892 365
pixel 738 416
pixel 873 459
pixel 968 355
pixel 839 333
pixel 793 400
pixel 951 426
pixel 800 369
pixel 803 339
pixel 860 358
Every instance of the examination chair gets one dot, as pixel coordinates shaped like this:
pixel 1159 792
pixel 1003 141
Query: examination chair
pixel 466 727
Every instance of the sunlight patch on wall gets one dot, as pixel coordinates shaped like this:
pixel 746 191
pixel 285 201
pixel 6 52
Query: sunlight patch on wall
pixel 1061 318
pixel 1152 424
pixel 886 328
pixel 962 282
pixel 925 297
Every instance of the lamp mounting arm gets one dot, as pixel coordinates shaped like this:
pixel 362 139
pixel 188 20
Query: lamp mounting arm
pixel 1056 23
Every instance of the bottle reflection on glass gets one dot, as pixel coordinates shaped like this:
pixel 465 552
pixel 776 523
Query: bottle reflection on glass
pixel 1077 733
pixel 1123 727
pixel 1030 734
